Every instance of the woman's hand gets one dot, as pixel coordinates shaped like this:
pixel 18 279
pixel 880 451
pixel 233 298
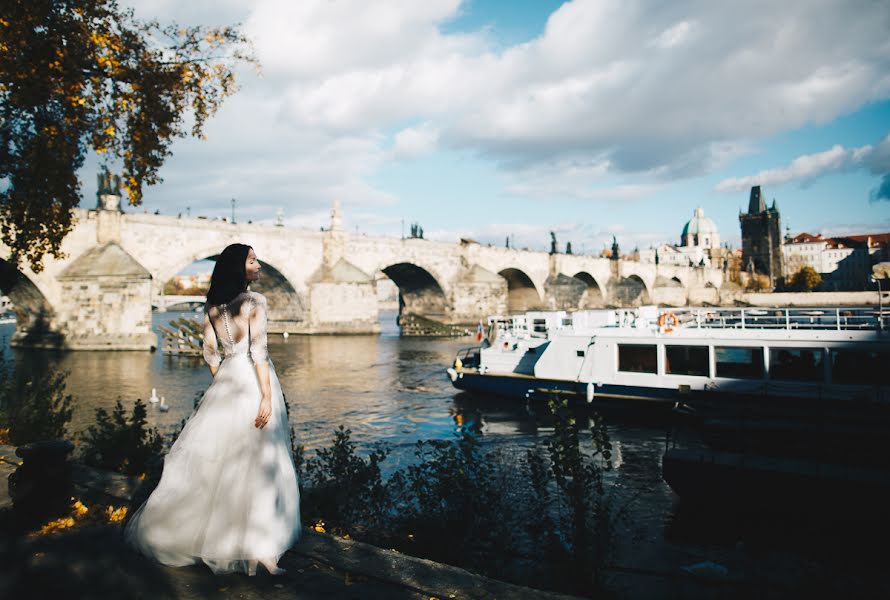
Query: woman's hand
pixel 262 417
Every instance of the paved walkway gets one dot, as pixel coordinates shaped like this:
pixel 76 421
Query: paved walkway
pixel 95 563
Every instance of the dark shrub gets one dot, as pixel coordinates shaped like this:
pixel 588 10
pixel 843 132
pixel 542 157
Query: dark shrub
pixel 116 443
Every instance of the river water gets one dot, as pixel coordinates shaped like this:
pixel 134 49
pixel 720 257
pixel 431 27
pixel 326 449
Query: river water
pixel 392 389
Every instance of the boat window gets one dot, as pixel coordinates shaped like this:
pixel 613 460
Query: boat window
pixel 738 362
pixel 635 358
pixel 797 364
pixel 861 367
pixel 686 360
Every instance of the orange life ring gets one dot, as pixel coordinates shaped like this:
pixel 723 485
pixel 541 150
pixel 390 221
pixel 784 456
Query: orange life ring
pixel 664 317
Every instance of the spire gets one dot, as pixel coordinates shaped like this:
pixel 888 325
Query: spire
pixel 756 204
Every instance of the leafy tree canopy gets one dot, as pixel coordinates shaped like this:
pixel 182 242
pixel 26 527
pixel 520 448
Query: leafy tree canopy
pixel 806 279
pixel 77 75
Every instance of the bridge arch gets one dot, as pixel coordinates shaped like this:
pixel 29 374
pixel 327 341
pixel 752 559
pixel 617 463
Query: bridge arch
pixel 285 302
pixel 34 314
pixel 522 294
pixel 630 291
pixel 594 295
pixel 420 293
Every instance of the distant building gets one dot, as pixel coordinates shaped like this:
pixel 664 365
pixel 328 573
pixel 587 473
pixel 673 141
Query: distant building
pixel 699 245
pixel 762 238
pixel 196 282
pixel 844 262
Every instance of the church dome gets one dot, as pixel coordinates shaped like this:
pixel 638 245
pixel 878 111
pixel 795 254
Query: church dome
pixel 700 231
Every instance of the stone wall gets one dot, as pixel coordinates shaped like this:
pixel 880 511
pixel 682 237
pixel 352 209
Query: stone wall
pixel 815 299
pixel 343 308
pixel 670 296
pixel 477 300
pixel 107 313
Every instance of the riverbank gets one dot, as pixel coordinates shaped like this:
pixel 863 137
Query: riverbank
pixel 94 563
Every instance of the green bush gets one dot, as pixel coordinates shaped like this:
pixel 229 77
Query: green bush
pixel 589 518
pixel 451 503
pixel 550 523
pixel 341 487
pixel 116 443
pixel 33 406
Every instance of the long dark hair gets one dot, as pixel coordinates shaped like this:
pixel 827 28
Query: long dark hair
pixel 229 276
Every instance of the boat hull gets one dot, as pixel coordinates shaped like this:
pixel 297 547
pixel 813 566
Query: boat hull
pixel 525 387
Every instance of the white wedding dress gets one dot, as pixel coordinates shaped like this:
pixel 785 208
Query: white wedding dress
pixel 228 493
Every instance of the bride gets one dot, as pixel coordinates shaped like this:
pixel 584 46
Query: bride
pixel 228 495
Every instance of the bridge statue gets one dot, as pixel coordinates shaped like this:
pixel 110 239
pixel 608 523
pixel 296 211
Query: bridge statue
pixel 109 191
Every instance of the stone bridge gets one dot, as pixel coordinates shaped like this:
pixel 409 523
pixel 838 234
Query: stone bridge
pixel 100 296
pixel 165 302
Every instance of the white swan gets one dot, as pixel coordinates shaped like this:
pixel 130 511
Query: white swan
pixel 154 396
pixel 163 405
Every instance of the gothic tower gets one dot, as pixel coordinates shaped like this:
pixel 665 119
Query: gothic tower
pixel 762 237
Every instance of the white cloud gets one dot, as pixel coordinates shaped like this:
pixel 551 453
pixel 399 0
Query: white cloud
pixel 634 91
pixel 808 167
pixel 413 142
pixel 673 36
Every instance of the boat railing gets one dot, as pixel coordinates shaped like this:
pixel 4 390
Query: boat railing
pixel 469 357
pixel 815 318
pixel 840 319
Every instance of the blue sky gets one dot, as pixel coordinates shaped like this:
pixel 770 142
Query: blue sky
pixel 590 118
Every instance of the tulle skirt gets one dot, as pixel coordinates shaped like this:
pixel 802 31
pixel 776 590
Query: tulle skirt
pixel 228 492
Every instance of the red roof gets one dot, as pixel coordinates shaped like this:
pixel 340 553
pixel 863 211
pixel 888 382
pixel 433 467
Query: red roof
pixel 806 238
pixel 876 238
pixel 844 241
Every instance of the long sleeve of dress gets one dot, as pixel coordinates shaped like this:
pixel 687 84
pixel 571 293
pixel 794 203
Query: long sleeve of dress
pixel 210 350
pixel 258 329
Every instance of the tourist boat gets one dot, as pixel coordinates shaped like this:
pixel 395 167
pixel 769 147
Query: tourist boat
pixel 664 358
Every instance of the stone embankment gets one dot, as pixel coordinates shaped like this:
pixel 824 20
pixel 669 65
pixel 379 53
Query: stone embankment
pixel 815 298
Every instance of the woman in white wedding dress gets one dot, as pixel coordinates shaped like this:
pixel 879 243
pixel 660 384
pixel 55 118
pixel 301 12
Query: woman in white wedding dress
pixel 228 494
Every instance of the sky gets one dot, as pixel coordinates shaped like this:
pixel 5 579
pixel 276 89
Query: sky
pixel 485 119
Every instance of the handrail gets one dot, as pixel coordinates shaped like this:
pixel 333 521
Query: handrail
pixel 747 318
pixel 783 318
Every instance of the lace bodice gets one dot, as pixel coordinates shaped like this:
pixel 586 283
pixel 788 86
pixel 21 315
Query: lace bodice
pixel 239 327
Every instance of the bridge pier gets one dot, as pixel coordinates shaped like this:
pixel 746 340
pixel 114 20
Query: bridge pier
pixel 562 292
pixel 478 294
pixel 106 302
pixel 342 299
